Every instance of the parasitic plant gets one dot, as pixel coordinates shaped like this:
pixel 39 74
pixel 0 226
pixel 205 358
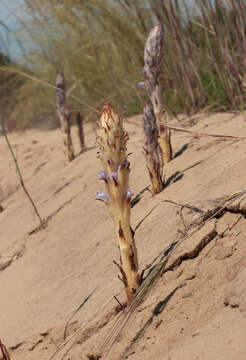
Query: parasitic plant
pixel 80 125
pixel 152 73
pixel 152 149
pixel 64 116
pixel 116 168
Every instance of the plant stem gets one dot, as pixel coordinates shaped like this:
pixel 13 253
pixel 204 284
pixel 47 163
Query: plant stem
pixel 20 175
pixel 80 126
pixel 152 71
pixel 152 150
pixel 64 116
pixel 116 168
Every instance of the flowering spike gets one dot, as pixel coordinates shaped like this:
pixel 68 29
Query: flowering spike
pixel 153 60
pixel 112 141
pixel 152 151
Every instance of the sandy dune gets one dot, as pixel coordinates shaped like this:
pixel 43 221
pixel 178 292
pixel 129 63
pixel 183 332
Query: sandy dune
pixel 197 310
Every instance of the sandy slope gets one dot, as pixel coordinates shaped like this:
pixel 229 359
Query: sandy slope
pixel 202 309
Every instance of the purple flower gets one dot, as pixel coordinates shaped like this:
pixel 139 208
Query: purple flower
pixel 115 175
pixel 141 84
pixel 102 196
pixel 129 194
pixel 144 72
pixel 102 175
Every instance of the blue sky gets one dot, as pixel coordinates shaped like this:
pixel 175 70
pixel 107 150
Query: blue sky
pixel 9 10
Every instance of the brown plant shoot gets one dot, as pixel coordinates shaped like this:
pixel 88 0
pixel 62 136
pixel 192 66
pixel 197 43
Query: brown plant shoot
pixel 64 116
pixel 152 149
pixel 153 55
pixel 80 123
pixel 116 168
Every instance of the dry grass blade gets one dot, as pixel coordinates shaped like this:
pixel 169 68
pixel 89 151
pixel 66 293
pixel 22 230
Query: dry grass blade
pixel 82 327
pixel 123 319
pixel 75 312
pixel 157 270
pixel 106 56
pixel 45 84
pixel 198 134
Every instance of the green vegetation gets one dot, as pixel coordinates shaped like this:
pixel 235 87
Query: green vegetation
pixel 99 44
pixel 9 86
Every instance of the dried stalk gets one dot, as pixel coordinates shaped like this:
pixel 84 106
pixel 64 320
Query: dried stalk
pixel 80 126
pixel 152 72
pixel 152 150
pixel 64 116
pixel 116 168
pixel 160 268
pixel 42 222
pixel 198 134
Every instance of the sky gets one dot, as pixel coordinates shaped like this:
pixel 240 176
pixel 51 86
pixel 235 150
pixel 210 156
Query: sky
pixel 9 10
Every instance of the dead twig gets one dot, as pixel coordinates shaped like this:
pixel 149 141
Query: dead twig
pixel 198 134
pixel 188 206
pixel 193 133
pixel 42 222
pixel 122 307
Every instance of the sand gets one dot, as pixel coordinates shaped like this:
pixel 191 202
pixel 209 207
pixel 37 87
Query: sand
pixel 197 310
